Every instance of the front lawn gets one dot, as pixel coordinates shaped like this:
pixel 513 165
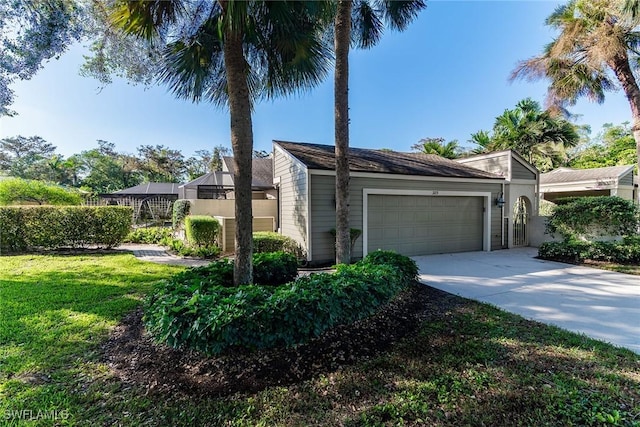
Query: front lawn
pixel 466 363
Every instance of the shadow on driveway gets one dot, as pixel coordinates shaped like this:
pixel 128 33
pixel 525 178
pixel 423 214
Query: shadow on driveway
pixel 601 304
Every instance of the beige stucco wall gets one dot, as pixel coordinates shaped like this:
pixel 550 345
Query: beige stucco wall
pixel 227 208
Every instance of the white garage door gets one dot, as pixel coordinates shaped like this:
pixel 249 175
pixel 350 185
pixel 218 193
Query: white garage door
pixel 422 225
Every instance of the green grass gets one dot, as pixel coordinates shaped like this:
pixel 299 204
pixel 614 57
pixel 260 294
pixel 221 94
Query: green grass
pixel 473 365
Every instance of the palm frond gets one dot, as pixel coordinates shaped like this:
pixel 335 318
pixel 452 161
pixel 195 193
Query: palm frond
pixel 398 14
pixel 366 25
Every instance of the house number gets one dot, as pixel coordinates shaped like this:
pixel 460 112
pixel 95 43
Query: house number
pixel 435 192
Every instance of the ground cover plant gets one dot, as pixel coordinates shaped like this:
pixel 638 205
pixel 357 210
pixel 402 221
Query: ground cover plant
pixel 202 310
pixel 427 358
pixel 149 235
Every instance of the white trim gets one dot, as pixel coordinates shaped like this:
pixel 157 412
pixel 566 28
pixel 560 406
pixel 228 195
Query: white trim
pixel 523 181
pixel 276 180
pixel 486 232
pixel 289 156
pixel 324 172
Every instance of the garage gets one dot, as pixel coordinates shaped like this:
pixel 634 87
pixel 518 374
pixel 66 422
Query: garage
pixel 422 225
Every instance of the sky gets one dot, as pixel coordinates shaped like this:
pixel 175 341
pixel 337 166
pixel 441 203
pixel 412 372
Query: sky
pixel 446 76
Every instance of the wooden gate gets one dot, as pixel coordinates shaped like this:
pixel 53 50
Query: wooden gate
pixel 520 216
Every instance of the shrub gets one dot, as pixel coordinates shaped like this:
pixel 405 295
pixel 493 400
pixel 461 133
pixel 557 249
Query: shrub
pixel 181 248
pixel 192 312
pixel 625 252
pixel 201 230
pixel 274 268
pixel 269 241
pixel 16 191
pixel 408 267
pixel 593 217
pixel 180 211
pixel 51 227
pixel 149 235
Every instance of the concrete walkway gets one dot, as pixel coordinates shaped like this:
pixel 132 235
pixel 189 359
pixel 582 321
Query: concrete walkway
pixel 158 254
pixel 601 304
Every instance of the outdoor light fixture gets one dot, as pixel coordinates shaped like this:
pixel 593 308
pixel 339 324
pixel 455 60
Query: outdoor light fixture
pixel 500 201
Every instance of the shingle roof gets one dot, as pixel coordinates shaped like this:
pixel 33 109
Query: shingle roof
pixel 316 156
pixel 566 175
pixel 151 188
pixel 262 171
pixel 223 179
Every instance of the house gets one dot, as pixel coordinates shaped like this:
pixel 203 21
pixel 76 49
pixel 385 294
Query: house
pixel 166 190
pixel 607 181
pixel 219 184
pixel 151 201
pixel 213 194
pixel 413 203
pixel 519 196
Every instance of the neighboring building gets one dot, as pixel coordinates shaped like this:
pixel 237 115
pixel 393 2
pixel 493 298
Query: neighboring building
pixel 416 204
pixel 520 193
pixel 608 181
pixel 166 190
pixel 219 184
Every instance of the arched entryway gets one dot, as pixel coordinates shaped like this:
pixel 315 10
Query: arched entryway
pixel 521 212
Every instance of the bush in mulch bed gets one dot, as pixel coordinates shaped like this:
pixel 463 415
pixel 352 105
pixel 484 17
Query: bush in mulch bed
pixel 213 318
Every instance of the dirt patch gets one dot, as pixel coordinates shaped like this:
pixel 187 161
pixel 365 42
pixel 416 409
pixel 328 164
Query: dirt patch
pixel 134 357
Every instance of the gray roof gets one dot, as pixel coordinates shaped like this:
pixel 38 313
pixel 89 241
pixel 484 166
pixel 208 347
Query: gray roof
pixel 262 171
pixel 316 156
pixel 151 188
pixel 567 175
pixel 223 179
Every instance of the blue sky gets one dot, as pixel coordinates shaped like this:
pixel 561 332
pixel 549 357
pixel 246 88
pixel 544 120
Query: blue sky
pixel 445 76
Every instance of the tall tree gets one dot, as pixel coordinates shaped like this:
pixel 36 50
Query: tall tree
pixel 614 146
pixel 161 164
pixel 541 136
pixel 233 53
pixel 31 33
pixel 598 45
pixel 26 157
pixel 438 146
pixel 362 23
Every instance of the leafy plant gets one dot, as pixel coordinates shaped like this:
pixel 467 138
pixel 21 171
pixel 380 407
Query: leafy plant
pixel 274 268
pixel 184 249
pixel 149 235
pixel 201 230
pixel 269 241
pixel 53 227
pixel 195 309
pixel 16 191
pixel 592 217
pixel 181 208
pixel 625 252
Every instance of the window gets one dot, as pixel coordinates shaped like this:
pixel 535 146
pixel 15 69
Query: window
pixel 211 192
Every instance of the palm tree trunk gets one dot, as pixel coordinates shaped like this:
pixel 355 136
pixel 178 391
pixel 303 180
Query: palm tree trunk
pixel 621 68
pixel 341 93
pixel 242 144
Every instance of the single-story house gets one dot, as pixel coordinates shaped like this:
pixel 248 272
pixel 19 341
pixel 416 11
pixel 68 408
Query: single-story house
pixel 413 203
pixel 520 198
pixel 607 181
pixel 219 185
pixel 167 190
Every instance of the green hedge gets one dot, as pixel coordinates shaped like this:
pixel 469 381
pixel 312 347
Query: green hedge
pixel 624 252
pixel 201 230
pixel 54 227
pixel 269 241
pixel 205 316
pixel 149 235
pixel 593 217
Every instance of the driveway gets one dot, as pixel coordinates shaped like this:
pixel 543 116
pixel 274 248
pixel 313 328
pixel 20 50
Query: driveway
pixel 601 304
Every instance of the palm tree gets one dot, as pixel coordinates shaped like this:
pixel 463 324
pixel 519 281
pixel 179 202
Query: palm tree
pixel 437 146
pixel 233 53
pixel 540 136
pixel 598 45
pixel 360 22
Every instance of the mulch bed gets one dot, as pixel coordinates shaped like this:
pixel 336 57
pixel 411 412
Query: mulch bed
pixel 136 358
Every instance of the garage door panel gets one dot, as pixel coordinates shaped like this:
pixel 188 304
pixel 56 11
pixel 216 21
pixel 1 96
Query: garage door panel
pixel 416 225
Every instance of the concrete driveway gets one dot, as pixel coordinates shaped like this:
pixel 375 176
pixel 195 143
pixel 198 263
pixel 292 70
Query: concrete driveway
pixel 601 304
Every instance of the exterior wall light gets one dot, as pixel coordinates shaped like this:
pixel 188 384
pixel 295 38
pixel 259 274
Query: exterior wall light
pixel 500 201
